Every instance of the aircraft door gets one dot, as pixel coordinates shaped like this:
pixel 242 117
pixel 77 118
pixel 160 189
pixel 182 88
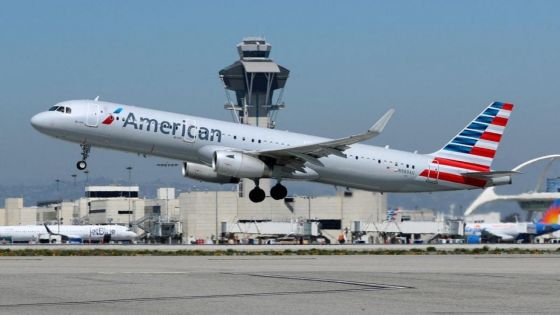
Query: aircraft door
pixel 92 119
pixel 191 131
pixel 433 172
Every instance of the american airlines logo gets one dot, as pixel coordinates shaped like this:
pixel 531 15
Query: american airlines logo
pixel 109 120
pixel 182 129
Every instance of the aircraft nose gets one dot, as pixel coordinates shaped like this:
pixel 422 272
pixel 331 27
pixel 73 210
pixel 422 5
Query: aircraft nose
pixel 40 121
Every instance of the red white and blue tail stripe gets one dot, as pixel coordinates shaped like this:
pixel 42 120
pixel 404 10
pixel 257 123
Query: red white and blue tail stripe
pixel 474 148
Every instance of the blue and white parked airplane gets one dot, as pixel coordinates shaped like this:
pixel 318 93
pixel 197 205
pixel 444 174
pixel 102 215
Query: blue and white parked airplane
pixel 81 233
pixel 223 152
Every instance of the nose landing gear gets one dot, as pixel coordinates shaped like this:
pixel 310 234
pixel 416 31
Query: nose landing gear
pixel 82 165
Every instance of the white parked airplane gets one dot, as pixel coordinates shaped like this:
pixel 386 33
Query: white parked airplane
pixel 512 231
pixel 95 233
pixel 223 152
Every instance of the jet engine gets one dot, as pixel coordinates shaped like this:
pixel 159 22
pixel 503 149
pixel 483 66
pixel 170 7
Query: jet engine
pixel 239 165
pixel 206 173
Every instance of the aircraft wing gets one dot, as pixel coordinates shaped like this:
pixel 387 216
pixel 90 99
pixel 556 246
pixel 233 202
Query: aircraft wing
pixel 312 152
pixel 503 236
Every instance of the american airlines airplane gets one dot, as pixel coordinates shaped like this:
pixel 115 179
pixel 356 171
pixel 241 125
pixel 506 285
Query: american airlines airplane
pixel 223 152
pixel 95 233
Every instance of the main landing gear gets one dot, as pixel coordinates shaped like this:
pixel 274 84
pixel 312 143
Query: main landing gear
pixel 82 165
pixel 257 194
pixel 277 192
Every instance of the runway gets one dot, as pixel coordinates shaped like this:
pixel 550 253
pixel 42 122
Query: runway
pixel 281 285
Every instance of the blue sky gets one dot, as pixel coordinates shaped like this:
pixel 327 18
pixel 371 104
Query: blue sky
pixel 439 63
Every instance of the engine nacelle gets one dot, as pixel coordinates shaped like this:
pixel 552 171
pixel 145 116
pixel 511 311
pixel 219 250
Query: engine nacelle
pixel 239 165
pixel 206 173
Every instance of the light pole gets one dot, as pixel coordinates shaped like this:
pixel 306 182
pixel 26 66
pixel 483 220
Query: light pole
pixel 58 217
pixel 58 207
pixel 216 201
pixel 308 206
pixel 129 169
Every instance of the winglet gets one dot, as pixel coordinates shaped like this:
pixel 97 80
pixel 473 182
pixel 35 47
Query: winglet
pixel 378 127
pixel 49 230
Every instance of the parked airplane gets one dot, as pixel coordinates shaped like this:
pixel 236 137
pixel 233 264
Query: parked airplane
pixel 223 152
pixel 512 231
pixel 95 233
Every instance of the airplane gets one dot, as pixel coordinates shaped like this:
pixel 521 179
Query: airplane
pixel 512 231
pixel 80 233
pixel 224 152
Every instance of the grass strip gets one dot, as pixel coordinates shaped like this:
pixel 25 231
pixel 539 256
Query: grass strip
pixel 485 250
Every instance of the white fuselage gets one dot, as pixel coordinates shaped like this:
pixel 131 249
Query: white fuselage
pixel 506 231
pixel 195 139
pixel 96 233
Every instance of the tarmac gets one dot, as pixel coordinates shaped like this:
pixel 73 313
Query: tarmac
pixel 258 248
pixel 362 284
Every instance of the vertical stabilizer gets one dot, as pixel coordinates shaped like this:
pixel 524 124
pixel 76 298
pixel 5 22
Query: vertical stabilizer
pixel 474 148
pixel 551 215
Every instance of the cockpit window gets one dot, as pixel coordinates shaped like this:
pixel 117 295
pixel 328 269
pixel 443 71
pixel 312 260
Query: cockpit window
pixel 62 109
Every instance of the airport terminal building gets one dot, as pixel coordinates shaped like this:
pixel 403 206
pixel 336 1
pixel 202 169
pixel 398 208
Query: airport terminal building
pixel 207 215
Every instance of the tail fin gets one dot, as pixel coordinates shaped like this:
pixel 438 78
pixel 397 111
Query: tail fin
pixel 475 146
pixel 551 215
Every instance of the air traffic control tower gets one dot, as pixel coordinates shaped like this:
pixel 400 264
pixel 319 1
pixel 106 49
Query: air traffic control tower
pixel 254 78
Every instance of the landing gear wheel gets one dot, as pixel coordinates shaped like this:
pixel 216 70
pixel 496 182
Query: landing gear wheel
pixel 278 192
pixel 81 165
pixel 257 195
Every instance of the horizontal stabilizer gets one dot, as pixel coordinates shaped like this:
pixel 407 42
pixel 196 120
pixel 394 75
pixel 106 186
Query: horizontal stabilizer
pixel 490 175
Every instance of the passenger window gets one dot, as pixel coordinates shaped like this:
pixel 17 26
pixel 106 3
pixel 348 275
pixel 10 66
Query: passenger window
pixel 234 137
pixel 252 140
pixel 412 166
pixel 259 141
pixel 356 157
